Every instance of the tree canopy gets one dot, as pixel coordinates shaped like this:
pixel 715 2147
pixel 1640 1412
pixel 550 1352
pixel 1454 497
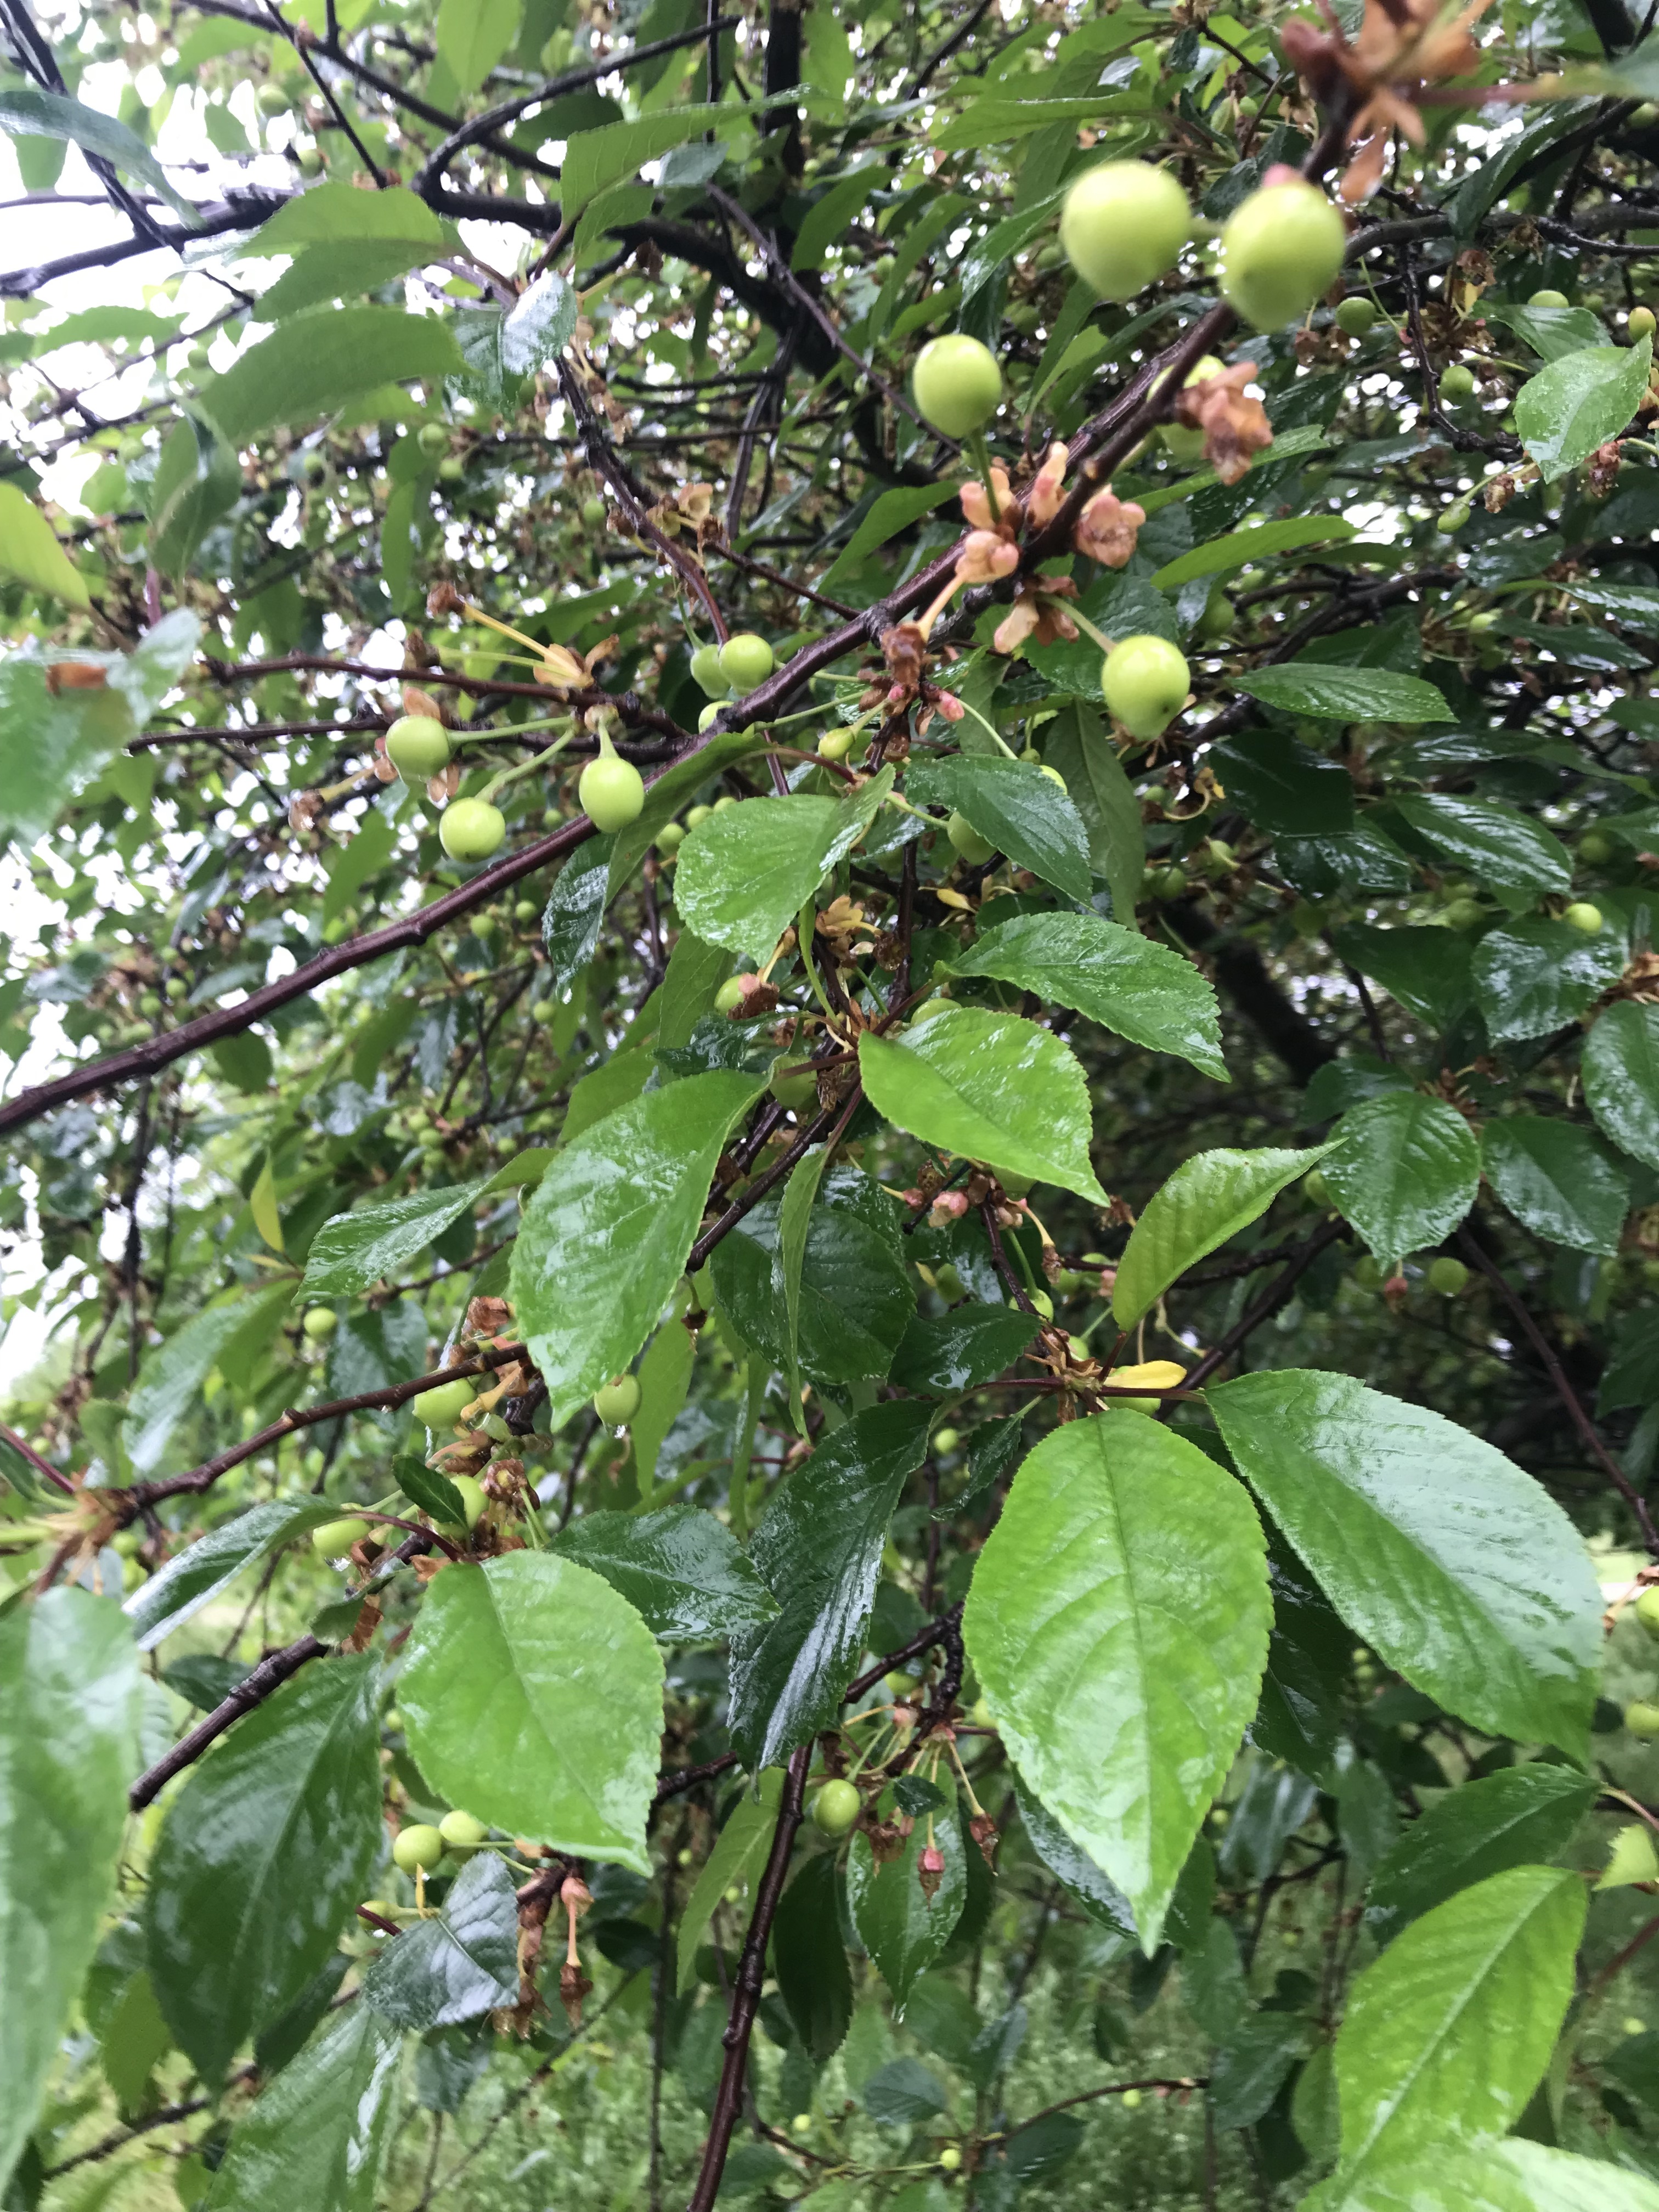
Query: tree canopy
pixel 831 1106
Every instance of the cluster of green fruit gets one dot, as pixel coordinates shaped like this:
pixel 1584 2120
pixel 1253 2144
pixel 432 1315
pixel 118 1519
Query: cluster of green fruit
pixel 1642 1714
pixel 610 790
pixel 419 1847
pixel 730 670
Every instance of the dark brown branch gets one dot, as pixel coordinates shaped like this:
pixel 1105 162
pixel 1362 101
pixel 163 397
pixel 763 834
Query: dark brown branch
pixel 44 1468
pixel 752 1971
pixel 1277 1294
pixel 270 1675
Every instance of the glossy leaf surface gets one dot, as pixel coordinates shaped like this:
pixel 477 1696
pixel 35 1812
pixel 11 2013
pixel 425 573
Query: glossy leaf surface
pixel 1408 1171
pixel 902 1928
pixel 1556 1181
pixel 745 873
pixel 1017 809
pixel 463 1962
pixel 1525 1816
pixel 1621 1078
pixel 317 2136
pixel 495 1694
pixel 1118 1621
pixel 1208 1198
pixel 680 1569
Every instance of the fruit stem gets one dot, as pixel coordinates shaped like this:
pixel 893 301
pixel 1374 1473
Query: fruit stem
pixel 804 927
pixel 507 730
pixel 525 767
pixel 1089 630
pixel 980 454
pixel 477 614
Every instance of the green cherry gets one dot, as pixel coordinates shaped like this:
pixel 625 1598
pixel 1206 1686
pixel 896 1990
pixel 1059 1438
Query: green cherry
pixel 433 439
pixel 1647 1609
pixel 745 661
pixel 957 384
pixel 1641 325
pixel 335 1538
pixel 420 1846
pixel 966 841
pixel 610 790
pixel 1355 315
pixel 320 1324
pixel 1641 1718
pixel 1447 1276
pixel 836 1807
pixel 1281 251
pixel 706 671
pixel 461 1832
pixel 616 1402
pixel 417 746
pixel 730 996
pixel 473 1500
pixel 1145 681
pixel 443 1405
pixel 471 829
pixel 1548 298
pixel 1582 915
pixel 1184 445
pixel 1123 225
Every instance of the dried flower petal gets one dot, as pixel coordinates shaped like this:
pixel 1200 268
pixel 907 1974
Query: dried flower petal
pixel 1107 529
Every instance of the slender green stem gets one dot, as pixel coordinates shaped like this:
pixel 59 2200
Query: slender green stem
pixel 1089 630
pixel 497 783
pixel 980 454
pixel 997 737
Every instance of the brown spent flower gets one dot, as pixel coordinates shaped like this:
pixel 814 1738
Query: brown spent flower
pixel 1236 427
pixel 1107 529
pixel 1404 47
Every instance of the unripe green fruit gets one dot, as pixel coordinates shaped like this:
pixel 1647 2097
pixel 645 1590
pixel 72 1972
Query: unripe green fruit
pixel 835 744
pixel 945 1440
pixel 709 715
pixel 593 513
pixel 451 470
pixel 1597 848
pixel 610 790
pixel 524 911
pixel 1641 1718
pixel 1581 914
pixel 1041 1300
pixel 461 1832
pixel 706 671
pixel 1145 681
pixel 1465 913
pixel 320 1324
pixel 310 161
pixel 1457 382
pixel 471 829
pixel 1314 1188
pixel 1455 517
pixel 1447 1276
pixel 616 1402
pixel 1647 1609
pixel 1217 619
pixel 670 838
pixel 1123 225
pixel 1355 315
pixel 795 1092
pixel 335 1538
pixel 950 2158
pixel 966 841
pixel 1548 298
pixel 745 661
pixel 725 800
pixel 729 996
pixel 149 1002
pixel 1641 325
pixel 836 1807
pixel 443 1405
pixel 433 439
pixel 1280 251
pixel 473 1500
pixel 420 1846
pixel 417 746
pixel 1168 881
pixel 271 100
pixel 957 384
pixel 544 1012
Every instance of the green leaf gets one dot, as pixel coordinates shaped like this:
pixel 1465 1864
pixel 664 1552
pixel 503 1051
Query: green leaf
pixel 789 1260
pixel 462 1963
pixel 532 1695
pixel 893 510
pixel 1503 848
pixel 992 1087
pixel 1015 807
pixel 680 1569
pixel 594 159
pixel 1550 331
pixel 1078 744
pixel 1579 402
pixel 434 1493
pixel 819 1546
pixel 1427 969
pixel 501 349
pixel 1408 1171
pixel 315 364
pixel 856 1294
pixel 1240 547
pixel 1523 1816
pixel 958 1351
pixel 1094 1890
pixel 25 112
pixel 574 914
pixel 332 214
pixel 29 549
pixel 263 1855
pixel 1346 695
pixel 316 2137
pixel 1621 1078
pixel 1284 786
pixel 1249 2069
pixel 1533 976
pixel 473 35
pixel 696 972
pixel 1461 1573
pixel 741 1848
pixel 353 1251
pixel 900 1927
pixel 213 1562
pixel 1448 2033
pixel 809 1959
pixel 605 1237
pixel 745 873
pixel 1118 1623
pixel 665 1378
pixel 170 1383
pixel 345 271
pixel 70 1702
pixel 1516 2176
pixel 1557 1180
pixel 1208 1198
